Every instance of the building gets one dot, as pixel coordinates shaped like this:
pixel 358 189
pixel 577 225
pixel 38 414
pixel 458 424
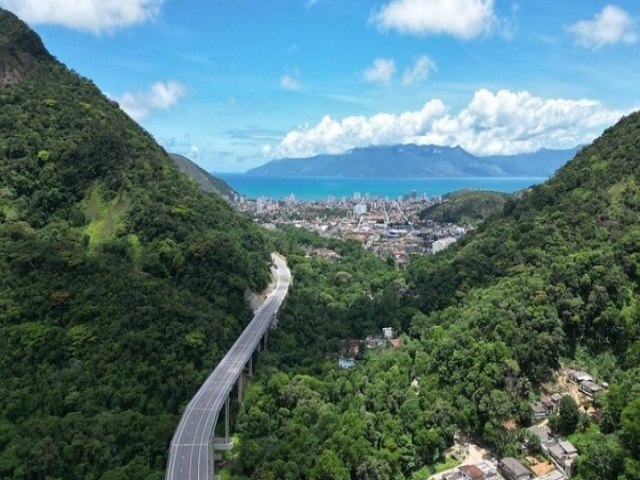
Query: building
pixel 553 475
pixel 346 363
pixel 589 388
pixel 387 332
pixel 360 209
pixel 579 377
pixel 564 453
pixel 471 472
pixel 514 469
pixel 539 411
pixel 394 342
pixel 441 244
pixel 544 435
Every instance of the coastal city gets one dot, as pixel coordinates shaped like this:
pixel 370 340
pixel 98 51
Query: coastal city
pixel 390 228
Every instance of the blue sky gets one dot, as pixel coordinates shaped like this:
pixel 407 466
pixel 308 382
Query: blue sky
pixel 234 83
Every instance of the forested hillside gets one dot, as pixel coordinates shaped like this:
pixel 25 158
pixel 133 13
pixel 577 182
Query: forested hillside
pixel 554 278
pixel 466 207
pixel 121 283
pixel 207 182
pixel 551 281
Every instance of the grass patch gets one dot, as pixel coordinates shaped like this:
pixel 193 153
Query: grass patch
pixel 105 218
pixel 580 440
pixel 225 474
pixel 425 472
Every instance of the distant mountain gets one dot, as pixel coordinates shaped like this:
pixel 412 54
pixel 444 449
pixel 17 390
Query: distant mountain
pixel 207 182
pixel 418 161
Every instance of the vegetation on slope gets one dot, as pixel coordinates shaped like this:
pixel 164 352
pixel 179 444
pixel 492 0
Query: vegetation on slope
pixel 552 279
pixel 466 207
pixel 207 182
pixel 121 283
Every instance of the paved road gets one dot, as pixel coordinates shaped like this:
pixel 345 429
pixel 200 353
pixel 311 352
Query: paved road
pixel 189 451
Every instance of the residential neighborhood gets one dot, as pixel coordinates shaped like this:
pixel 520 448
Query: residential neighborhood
pixel 390 228
pixel 556 455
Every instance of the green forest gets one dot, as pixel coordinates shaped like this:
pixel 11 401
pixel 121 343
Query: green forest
pixel 550 281
pixel 122 284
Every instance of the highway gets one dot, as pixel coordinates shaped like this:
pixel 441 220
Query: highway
pixel 189 457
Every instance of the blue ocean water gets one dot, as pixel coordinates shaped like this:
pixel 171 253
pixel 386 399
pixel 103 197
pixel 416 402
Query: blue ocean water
pixel 319 188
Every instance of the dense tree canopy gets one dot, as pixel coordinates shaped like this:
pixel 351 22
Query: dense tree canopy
pixel 121 284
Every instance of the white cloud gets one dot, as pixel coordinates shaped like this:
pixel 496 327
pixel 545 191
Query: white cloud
pixel 611 26
pixel 289 82
pixel 503 122
pixel 464 19
pixel 160 96
pixel 420 71
pixel 96 16
pixel 382 71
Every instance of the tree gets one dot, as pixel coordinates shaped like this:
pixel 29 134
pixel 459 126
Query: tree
pixel 373 468
pixel 630 427
pixel 329 467
pixel 569 415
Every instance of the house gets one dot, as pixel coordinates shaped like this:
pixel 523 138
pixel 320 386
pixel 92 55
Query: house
pixel 564 453
pixel 539 411
pixel 544 434
pixel 451 476
pixel 548 403
pixel 579 377
pixel 471 472
pixel 553 475
pixel 514 469
pixel 589 388
pixel 346 363
pixel 556 397
pixel 387 332
pixel 394 342
pixel 374 342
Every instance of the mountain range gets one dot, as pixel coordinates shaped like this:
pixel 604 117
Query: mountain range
pixel 426 161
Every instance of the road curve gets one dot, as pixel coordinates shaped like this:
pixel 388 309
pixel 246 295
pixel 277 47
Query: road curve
pixel 190 446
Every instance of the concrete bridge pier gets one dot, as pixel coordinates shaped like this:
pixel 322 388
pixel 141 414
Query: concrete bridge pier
pixel 227 419
pixel 263 340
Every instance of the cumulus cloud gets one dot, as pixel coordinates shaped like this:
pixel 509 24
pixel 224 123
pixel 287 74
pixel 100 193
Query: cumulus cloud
pixel 382 71
pixel 464 19
pixel 288 82
pixel 502 122
pixel 96 16
pixel 419 71
pixel 160 96
pixel 609 27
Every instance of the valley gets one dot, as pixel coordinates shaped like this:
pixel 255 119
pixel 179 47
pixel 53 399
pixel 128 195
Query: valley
pixel 475 335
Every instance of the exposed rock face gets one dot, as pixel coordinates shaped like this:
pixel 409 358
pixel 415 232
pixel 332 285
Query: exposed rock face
pixel 21 49
pixel 8 74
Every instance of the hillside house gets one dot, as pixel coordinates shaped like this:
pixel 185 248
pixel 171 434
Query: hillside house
pixel 471 472
pixel 540 410
pixel 514 469
pixel 564 453
pixel 579 377
pixel 346 363
pixel 589 388
pixel 544 435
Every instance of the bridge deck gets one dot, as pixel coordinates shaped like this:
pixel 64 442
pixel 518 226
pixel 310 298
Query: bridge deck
pixel 189 451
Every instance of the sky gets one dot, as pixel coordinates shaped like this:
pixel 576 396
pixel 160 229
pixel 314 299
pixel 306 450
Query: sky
pixel 235 83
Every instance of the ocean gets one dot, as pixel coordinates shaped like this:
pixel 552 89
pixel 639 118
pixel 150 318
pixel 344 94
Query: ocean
pixel 319 188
